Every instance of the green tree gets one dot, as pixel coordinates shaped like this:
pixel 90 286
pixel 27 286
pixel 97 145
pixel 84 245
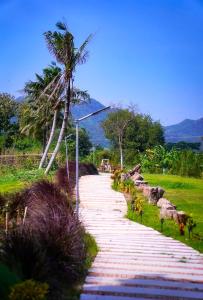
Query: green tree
pixel 8 120
pixel 41 113
pixel 115 127
pixel 8 109
pixel 143 133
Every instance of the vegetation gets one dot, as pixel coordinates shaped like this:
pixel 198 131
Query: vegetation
pixel 115 127
pixel 13 180
pixel 184 163
pixel 29 289
pixel 185 193
pixel 48 243
pixel 131 133
pixel 61 46
pixel 183 146
pixel 7 279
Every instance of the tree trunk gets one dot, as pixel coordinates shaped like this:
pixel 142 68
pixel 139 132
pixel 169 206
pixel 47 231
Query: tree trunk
pixel 61 134
pixel 49 141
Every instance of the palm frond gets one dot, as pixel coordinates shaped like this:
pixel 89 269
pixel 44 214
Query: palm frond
pixel 61 26
pixel 82 54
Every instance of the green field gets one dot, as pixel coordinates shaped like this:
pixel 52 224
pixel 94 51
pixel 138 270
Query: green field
pixel 14 181
pixel 187 195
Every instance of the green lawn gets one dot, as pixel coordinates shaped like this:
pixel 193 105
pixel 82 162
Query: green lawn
pixel 14 181
pixel 187 195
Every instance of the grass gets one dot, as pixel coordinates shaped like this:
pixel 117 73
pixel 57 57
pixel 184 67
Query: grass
pixel 15 180
pixel 187 195
pixel 92 250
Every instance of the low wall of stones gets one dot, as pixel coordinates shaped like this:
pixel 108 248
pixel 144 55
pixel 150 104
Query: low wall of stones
pixel 155 196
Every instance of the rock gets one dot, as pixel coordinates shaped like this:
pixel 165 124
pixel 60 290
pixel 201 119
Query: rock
pixel 163 201
pixel 146 189
pixel 140 183
pixel 168 212
pixel 137 176
pixel 181 217
pixel 124 176
pixel 136 169
pixel 155 193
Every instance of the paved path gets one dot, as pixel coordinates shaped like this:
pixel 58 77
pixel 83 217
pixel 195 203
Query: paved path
pixel 134 261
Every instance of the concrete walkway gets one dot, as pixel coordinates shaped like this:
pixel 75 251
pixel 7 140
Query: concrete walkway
pixel 134 261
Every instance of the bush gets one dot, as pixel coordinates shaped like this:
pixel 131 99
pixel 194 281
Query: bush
pixel 50 246
pixel 29 290
pixel 62 178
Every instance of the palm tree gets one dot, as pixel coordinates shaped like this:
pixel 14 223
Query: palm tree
pixel 43 106
pixel 61 46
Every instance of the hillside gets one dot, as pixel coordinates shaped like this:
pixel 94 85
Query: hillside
pixel 92 124
pixel 187 130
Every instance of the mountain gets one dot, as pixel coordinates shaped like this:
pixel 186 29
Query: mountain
pixel 187 130
pixel 92 124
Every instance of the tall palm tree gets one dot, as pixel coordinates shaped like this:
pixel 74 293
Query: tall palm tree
pixel 43 109
pixel 43 106
pixel 61 46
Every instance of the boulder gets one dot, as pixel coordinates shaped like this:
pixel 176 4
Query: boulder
pixel 155 193
pixel 136 169
pixel 137 176
pixel 163 201
pixel 181 217
pixel 146 189
pixel 168 212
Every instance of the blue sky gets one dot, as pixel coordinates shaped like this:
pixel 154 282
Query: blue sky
pixel 146 52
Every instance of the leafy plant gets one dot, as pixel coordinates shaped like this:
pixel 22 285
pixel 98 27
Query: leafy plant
pixel 29 290
pixel 191 224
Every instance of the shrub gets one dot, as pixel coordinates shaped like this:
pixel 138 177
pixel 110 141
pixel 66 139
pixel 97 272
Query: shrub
pixel 29 290
pixel 62 178
pixel 50 246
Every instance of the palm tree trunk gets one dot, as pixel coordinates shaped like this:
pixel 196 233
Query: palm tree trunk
pixel 49 141
pixel 61 134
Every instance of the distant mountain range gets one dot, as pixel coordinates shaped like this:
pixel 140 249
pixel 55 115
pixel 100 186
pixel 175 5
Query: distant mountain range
pixel 187 130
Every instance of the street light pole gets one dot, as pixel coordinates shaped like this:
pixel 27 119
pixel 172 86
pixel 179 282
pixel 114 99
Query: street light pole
pixel 77 167
pixel 67 161
pixel 77 152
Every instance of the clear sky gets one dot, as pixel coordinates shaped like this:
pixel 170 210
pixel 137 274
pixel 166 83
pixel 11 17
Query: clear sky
pixel 146 52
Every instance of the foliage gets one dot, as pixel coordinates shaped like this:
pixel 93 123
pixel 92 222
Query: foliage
pixel 49 247
pixel 69 185
pixel 13 179
pixel 8 109
pixel 29 290
pixel 61 45
pixel 183 146
pixel 7 279
pixel 91 250
pixel 8 120
pixel 115 127
pixel 132 133
pixel 84 144
pixel 184 163
pixel 186 194
pixel 37 112
pixel 143 133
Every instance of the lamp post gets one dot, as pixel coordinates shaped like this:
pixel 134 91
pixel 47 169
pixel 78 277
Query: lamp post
pixel 77 151
pixel 67 161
